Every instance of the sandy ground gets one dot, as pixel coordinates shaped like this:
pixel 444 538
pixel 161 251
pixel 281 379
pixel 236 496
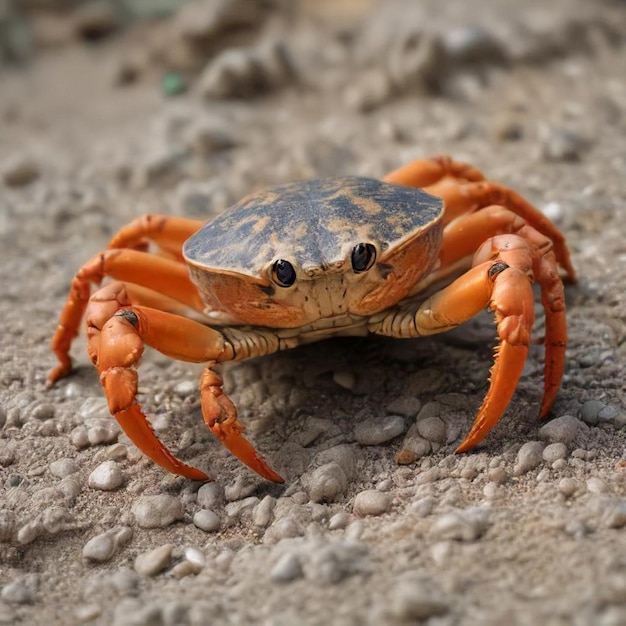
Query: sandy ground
pixel 527 529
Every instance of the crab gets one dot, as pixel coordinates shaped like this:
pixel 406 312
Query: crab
pixel 417 253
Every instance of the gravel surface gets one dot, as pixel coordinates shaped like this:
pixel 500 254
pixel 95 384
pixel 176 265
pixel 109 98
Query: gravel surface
pixel 378 521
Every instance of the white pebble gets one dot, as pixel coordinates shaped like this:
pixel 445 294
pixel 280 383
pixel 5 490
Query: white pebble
pixel 157 511
pixel 195 556
pixel 102 547
pixel 326 483
pixel 596 485
pixel 63 467
pixel 106 477
pixel 206 520
pixel 263 512
pixel 528 458
pixel 286 569
pixel 432 429
pixel 374 432
pixel 155 561
pixel 568 486
pixel 554 451
pixel 17 592
pixel 185 388
pixel 372 502
pixel 463 524
pixel 340 520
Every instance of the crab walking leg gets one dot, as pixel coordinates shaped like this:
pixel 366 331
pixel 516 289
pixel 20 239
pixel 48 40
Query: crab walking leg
pixel 220 415
pixel 121 342
pixel 166 276
pixel 553 300
pixel 426 172
pixel 168 233
pixel 475 196
pixel 504 284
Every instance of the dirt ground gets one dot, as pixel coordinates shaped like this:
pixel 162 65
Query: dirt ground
pixel 188 114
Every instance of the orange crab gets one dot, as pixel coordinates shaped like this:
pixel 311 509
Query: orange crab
pixel 307 260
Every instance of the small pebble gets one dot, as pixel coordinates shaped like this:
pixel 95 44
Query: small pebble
pixel 412 600
pixel 246 72
pixel 85 613
pixel 432 429
pixel 210 495
pixel 340 520
pixel 206 520
pixel 597 486
pixel 560 144
pixel 326 483
pixel 498 475
pixel 155 561
pixel 263 512
pixel 408 406
pixel 20 171
pixel 79 438
pixel 101 548
pixel 372 502
pixel 423 507
pixel 553 452
pixel 286 569
pixel 332 562
pixel 462 525
pixel 284 528
pixel 589 411
pixel 568 486
pixel 106 477
pixel 562 429
pixel 17 592
pixel 185 388
pixel 493 491
pixel 196 557
pixel 61 468
pixel 345 379
pixel 529 457
pixel 183 569
pixel 613 512
pixel 157 511
pixel 374 432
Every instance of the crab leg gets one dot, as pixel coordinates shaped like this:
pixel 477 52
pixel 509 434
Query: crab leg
pixel 465 190
pixel 220 415
pixel 502 280
pixel 426 172
pixel 168 276
pixel 168 233
pixel 121 345
pixel 472 197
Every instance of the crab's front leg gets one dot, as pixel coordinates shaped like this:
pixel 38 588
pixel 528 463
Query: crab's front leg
pixel 119 348
pixel 501 279
pixel 220 415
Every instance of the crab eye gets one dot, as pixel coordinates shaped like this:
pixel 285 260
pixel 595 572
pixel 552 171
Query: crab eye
pixel 283 273
pixel 363 257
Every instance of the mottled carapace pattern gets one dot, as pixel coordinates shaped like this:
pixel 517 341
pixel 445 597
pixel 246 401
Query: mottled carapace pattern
pixel 312 224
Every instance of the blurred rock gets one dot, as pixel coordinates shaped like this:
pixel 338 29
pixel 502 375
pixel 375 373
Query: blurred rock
pixel 245 72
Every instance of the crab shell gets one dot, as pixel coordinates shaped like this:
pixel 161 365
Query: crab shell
pixel 315 225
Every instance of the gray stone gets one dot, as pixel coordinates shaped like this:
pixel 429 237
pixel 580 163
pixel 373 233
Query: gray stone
pixel 157 511
pixel 372 502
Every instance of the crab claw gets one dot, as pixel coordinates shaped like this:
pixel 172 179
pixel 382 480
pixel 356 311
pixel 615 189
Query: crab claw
pixel 505 373
pixel 220 417
pixel 120 385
